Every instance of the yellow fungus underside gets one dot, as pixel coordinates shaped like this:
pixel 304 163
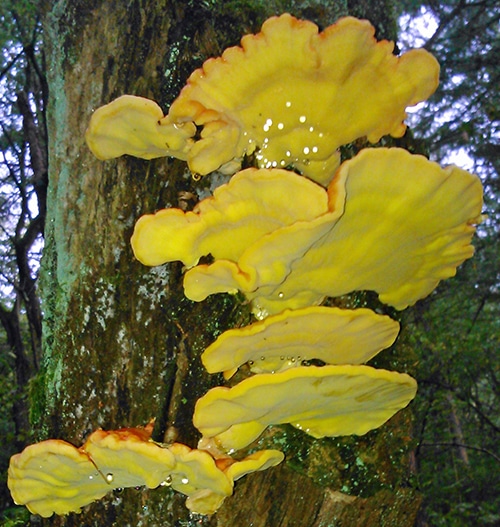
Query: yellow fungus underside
pixel 322 401
pixel 279 342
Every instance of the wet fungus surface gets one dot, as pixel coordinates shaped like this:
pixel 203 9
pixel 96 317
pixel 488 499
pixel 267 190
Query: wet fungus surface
pixel 288 233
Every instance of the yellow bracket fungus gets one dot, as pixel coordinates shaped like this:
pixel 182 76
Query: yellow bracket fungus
pixel 253 203
pixel 207 481
pixel 279 342
pixel 56 477
pixel 294 95
pixel 388 221
pixel 322 401
pixel 398 225
pixel 136 126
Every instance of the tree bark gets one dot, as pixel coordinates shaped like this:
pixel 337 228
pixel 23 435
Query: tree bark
pixel 121 342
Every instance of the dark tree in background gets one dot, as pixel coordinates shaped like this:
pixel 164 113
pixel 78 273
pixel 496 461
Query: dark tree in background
pixel 23 191
pixel 122 343
pixel 456 331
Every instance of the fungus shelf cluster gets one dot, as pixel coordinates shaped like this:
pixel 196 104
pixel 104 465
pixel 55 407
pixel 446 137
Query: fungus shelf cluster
pixel 296 229
pixel 56 477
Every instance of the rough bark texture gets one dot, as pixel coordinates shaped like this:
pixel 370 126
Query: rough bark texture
pixel 121 342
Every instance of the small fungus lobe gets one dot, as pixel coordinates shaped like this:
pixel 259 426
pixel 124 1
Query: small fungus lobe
pixel 136 126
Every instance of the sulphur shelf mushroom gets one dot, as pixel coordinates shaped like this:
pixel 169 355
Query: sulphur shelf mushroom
pixel 332 335
pixel 56 477
pixel 397 224
pixel 322 401
pixel 252 204
pixel 207 481
pixel 294 95
pixel 136 126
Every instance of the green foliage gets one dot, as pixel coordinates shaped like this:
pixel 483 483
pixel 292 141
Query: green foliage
pixel 456 334
pixel 15 517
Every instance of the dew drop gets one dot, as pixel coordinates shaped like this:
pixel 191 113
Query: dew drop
pixel 281 294
pixel 302 119
pixel 250 362
pixel 288 104
pixel 306 150
pixel 109 477
pixel 281 126
pixel 262 358
pixel 185 481
pixel 315 149
pixel 167 481
pixel 282 357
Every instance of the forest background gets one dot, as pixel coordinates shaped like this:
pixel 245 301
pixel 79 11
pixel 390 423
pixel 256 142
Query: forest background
pixel 454 333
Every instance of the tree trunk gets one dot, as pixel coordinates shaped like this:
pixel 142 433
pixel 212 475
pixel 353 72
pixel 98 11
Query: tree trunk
pixel 121 342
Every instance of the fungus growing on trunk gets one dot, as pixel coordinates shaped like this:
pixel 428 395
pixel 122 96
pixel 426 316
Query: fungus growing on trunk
pixel 398 224
pixel 294 96
pixel 286 340
pixel 321 401
pixel 208 481
pixel 136 126
pixel 252 204
pixel 56 477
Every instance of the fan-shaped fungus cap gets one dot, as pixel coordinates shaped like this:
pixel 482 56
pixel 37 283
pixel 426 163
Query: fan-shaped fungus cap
pixel 128 458
pixel 399 225
pixel 253 203
pixel 297 95
pixel 322 401
pixel 54 477
pixel 330 334
pixel 136 126
pixel 199 476
pixel 196 469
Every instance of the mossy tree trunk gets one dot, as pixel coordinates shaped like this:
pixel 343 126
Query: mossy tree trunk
pixel 121 342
